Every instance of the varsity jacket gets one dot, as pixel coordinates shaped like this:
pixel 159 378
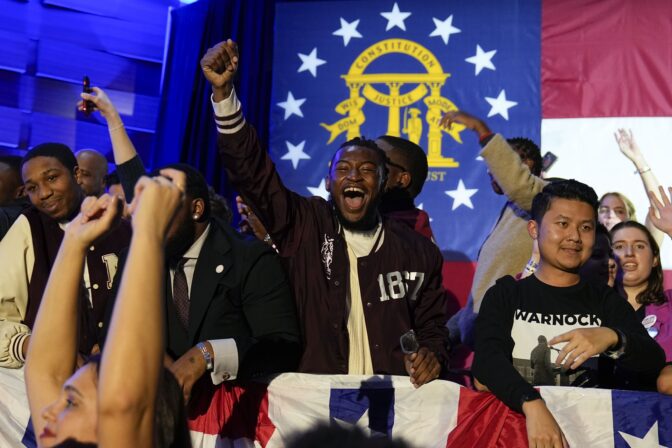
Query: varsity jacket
pixel 400 281
pixel 27 254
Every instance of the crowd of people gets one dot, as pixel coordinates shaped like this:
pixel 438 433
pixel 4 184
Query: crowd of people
pixel 124 294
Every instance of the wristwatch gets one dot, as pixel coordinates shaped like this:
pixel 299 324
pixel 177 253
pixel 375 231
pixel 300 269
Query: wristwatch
pixel 619 348
pixel 209 364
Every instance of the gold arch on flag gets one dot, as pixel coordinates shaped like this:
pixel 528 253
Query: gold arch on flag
pixel 361 87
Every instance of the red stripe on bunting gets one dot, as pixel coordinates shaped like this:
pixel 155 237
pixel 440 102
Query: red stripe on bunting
pixel 606 59
pixel 483 420
pixel 231 411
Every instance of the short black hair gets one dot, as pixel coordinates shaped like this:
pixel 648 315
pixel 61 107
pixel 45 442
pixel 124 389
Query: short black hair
pixel 58 151
pixel 14 164
pixel 564 189
pixel 197 187
pixel 112 179
pixel 415 161
pixel 219 207
pixel 370 144
pixel 527 150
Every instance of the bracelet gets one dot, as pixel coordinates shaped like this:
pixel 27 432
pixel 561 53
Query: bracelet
pixel 645 170
pixel 116 128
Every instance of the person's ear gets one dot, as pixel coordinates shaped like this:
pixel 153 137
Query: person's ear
pixel 20 191
pixel 327 182
pixel 533 229
pixel 197 209
pixel 404 180
pixel 656 261
pixel 77 174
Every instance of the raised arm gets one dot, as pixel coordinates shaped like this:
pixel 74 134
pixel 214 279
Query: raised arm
pixel 512 175
pixel 53 345
pixel 248 165
pixel 630 149
pixel 132 359
pixel 129 164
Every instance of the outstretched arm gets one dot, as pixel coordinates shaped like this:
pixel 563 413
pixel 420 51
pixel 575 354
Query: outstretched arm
pixel 122 146
pixel 53 345
pixel 630 149
pixel 248 166
pixel 132 360
pixel 513 176
pixel 129 164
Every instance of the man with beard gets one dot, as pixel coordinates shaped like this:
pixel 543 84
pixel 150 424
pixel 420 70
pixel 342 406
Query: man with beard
pixel 514 167
pixel 360 281
pixel 29 249
pixel 229 309
pixel 407 170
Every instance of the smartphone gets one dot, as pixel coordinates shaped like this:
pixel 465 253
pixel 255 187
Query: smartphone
pixel 86 88
pixel 547 161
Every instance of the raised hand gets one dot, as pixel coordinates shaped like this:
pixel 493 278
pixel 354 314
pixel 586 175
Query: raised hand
pixel 466 119
pixel 102 103
pixel 97 217
pixel 249 221
pixel 219 65
pixel 628 146
pixel 156 200
pixel 582 344
pixel 663 209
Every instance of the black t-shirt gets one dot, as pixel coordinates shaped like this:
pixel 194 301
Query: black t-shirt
pixel 517 319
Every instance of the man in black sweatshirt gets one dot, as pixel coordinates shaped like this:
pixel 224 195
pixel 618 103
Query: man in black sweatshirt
pixel 580 320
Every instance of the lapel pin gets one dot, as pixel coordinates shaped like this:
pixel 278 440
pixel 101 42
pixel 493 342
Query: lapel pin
pixel 219 269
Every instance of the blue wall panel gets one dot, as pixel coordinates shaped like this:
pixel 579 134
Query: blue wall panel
pixel 10 89
pixel 14 51
pixel 151 12
pixel 68 62
pixel 47 46
pixel 134 39
pixel 11 127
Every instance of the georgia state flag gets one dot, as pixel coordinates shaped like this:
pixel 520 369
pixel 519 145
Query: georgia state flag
pixel 565 73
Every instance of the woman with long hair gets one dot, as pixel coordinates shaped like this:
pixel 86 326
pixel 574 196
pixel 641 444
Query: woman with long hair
pixel 640 280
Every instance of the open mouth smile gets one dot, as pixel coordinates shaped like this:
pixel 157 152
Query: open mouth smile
pixel 354 198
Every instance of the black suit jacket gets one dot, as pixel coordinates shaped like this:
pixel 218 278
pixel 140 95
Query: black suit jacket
pixel 248 300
